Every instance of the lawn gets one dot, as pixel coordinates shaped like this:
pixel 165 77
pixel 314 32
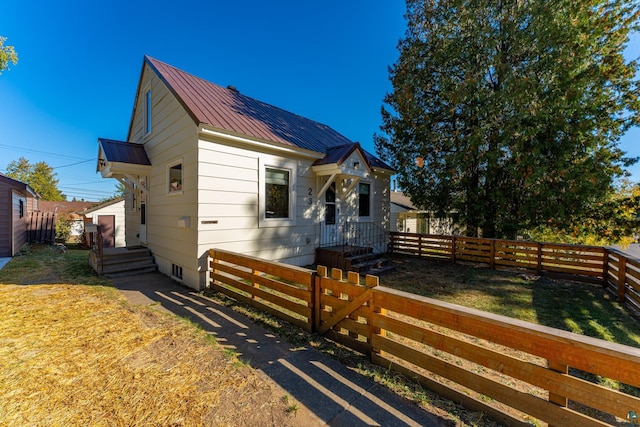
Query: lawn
pixel 74 353
pixel 572 306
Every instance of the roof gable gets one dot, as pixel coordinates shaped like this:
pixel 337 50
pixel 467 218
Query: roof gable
pixel 18 185
pixel 229 110
pixel 337 155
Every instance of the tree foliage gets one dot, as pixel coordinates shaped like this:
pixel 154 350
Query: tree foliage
pixel 7 55
pixel 514 109
pixel 611 221
pixel 39 176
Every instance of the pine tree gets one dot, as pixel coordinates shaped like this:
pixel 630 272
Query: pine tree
pixel 514 109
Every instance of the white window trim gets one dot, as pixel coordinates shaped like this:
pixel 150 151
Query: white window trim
pixel 168 174
pixel 291 167
pixel 371 192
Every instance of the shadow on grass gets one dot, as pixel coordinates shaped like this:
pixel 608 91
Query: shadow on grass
pixel 571 306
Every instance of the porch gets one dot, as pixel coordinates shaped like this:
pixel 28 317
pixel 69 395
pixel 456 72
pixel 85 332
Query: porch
pixel 354 246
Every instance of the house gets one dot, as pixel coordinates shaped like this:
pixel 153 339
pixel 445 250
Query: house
pixel 17 200
pixel 400 204
pixel 110 216
pixel 405 217
pixel 205 166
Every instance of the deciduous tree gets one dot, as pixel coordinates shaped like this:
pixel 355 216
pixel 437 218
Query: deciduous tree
pixel 512 109
pixel 7 55
pixel 39 176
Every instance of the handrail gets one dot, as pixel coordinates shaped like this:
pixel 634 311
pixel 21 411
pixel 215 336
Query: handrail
pixel 356 234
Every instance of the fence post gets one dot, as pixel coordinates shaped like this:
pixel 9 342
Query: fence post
pixel 539 264
pixel 556 398
pixel 622 277
pixel 420 245
pixel 453 249
pixel 605 268
pixel 317 297
pixel 314 285
pixel 492 254
pixel 372 282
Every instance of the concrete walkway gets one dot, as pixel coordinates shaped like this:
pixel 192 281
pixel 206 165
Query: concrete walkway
pixel 3 262
pixel 331 394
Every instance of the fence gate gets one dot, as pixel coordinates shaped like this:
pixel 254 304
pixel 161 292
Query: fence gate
pixel 345 308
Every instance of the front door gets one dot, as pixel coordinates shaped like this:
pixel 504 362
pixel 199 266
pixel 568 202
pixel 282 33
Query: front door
pixel 107 225
pixel 143 222
pixel 330 226
pixel 143 209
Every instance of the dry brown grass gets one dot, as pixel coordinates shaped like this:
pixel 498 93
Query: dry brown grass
pixel 74 355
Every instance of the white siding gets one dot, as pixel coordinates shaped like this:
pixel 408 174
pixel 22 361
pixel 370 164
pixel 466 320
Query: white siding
pixel 172 138
pixel 118 211
pixel 229 210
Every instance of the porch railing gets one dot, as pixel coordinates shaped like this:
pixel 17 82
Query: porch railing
pixel 355 234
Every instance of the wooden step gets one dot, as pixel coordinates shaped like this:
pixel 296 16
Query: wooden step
pixel 123 261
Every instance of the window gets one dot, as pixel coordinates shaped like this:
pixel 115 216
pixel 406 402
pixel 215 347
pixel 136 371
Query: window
pixel 175 178
pixel 147 112
pixel 330 205
pixel 21 209
pixel 276 193
pixel 364 191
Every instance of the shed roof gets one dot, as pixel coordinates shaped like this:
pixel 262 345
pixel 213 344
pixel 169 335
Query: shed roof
pixel 229 110
pixel 123 152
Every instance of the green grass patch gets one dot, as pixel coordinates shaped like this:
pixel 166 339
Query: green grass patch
pixel 571 306
pixel 39 264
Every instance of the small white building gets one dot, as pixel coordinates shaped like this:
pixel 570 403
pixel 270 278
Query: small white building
pixel 110 217
pixel 208 167
pixel 405 217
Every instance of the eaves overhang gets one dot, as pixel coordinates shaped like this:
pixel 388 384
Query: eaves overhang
pixel 254 143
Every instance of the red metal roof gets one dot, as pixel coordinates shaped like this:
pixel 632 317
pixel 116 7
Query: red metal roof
pixel 227 109
pixel 340 153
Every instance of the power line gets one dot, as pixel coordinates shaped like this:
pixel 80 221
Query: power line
pixel 72 164
pixel 31 150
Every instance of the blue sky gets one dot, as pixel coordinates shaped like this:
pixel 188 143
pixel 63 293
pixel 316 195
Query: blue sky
pixel 79 64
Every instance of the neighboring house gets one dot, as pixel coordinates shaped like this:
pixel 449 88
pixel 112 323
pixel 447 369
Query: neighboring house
pixel 409 219
pixel 17 200
pixel 110 217
pixel 70 211
pixel 400 204
pixel 205 166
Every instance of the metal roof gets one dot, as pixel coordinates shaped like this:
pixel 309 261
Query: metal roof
pixel 227 109
pixel 340 153
pixel 123 152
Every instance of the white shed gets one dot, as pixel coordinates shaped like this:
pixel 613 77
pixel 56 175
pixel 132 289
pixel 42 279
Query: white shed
pixel 110 217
